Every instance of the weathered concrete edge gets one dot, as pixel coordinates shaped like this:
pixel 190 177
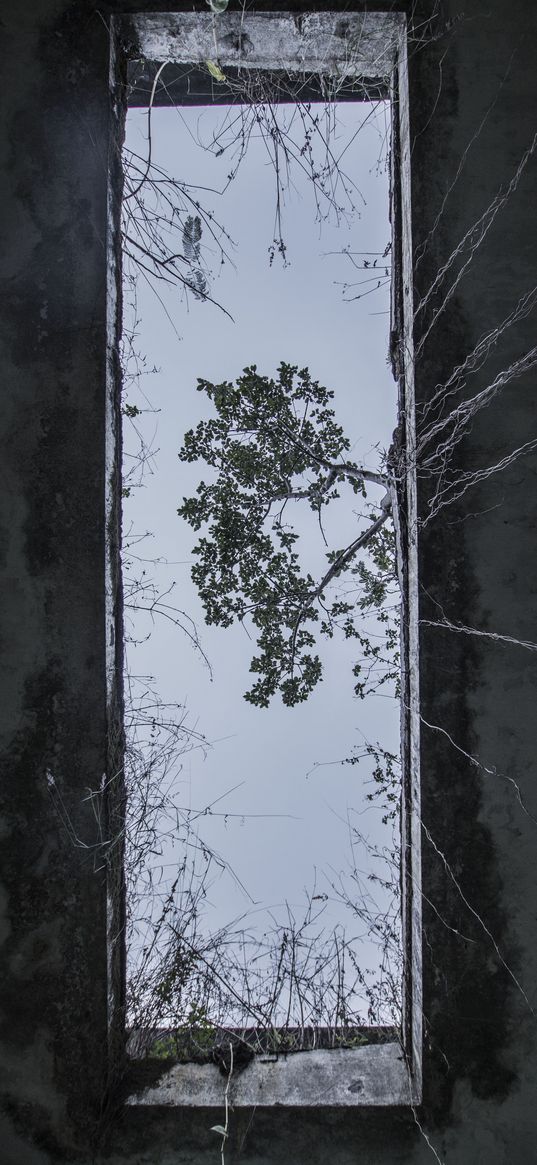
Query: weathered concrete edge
pixel 361 44
pixel 373 1075
pixel 114 786
pixel 410 703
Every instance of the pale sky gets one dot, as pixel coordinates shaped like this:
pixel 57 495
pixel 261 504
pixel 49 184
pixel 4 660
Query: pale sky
pixel 298 843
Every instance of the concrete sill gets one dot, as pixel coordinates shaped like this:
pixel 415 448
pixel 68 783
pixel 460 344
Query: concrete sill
pixel 372 1075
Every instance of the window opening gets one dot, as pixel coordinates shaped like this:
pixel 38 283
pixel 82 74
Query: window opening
pixel 292 980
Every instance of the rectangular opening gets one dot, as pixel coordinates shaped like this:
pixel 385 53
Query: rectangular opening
pixel 309 990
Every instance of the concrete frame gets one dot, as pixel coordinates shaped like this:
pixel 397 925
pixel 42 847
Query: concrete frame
pixel 316 47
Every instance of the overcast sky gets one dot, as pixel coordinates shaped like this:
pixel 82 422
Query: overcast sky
pixel 296 313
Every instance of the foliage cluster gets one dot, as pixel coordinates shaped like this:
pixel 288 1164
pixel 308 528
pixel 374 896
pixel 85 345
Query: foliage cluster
pixel 272 443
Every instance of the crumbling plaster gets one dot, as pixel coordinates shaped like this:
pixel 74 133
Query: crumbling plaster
pixel 472 100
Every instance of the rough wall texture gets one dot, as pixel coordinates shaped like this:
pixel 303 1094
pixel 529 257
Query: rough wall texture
pixel 472 99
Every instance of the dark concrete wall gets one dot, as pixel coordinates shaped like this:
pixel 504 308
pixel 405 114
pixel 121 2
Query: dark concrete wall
pixel 473 93
pixel 53 706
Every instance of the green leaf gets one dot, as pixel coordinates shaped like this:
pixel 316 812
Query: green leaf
pixel 215 69
pixel 218 1129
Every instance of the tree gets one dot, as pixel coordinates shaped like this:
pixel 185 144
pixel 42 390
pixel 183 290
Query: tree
pixel 271 443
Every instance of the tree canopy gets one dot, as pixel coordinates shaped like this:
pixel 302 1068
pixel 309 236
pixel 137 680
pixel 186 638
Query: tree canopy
pixel 274 443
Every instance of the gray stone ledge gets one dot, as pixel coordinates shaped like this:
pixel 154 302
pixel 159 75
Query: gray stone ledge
pixel 347 44
pixel 372 1075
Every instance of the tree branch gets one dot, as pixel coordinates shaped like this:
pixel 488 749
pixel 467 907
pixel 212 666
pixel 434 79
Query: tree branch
pixel 347 555
pixel 339 563
pixel 354 472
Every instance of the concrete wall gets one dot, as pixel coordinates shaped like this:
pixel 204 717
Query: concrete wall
pixel 472 99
